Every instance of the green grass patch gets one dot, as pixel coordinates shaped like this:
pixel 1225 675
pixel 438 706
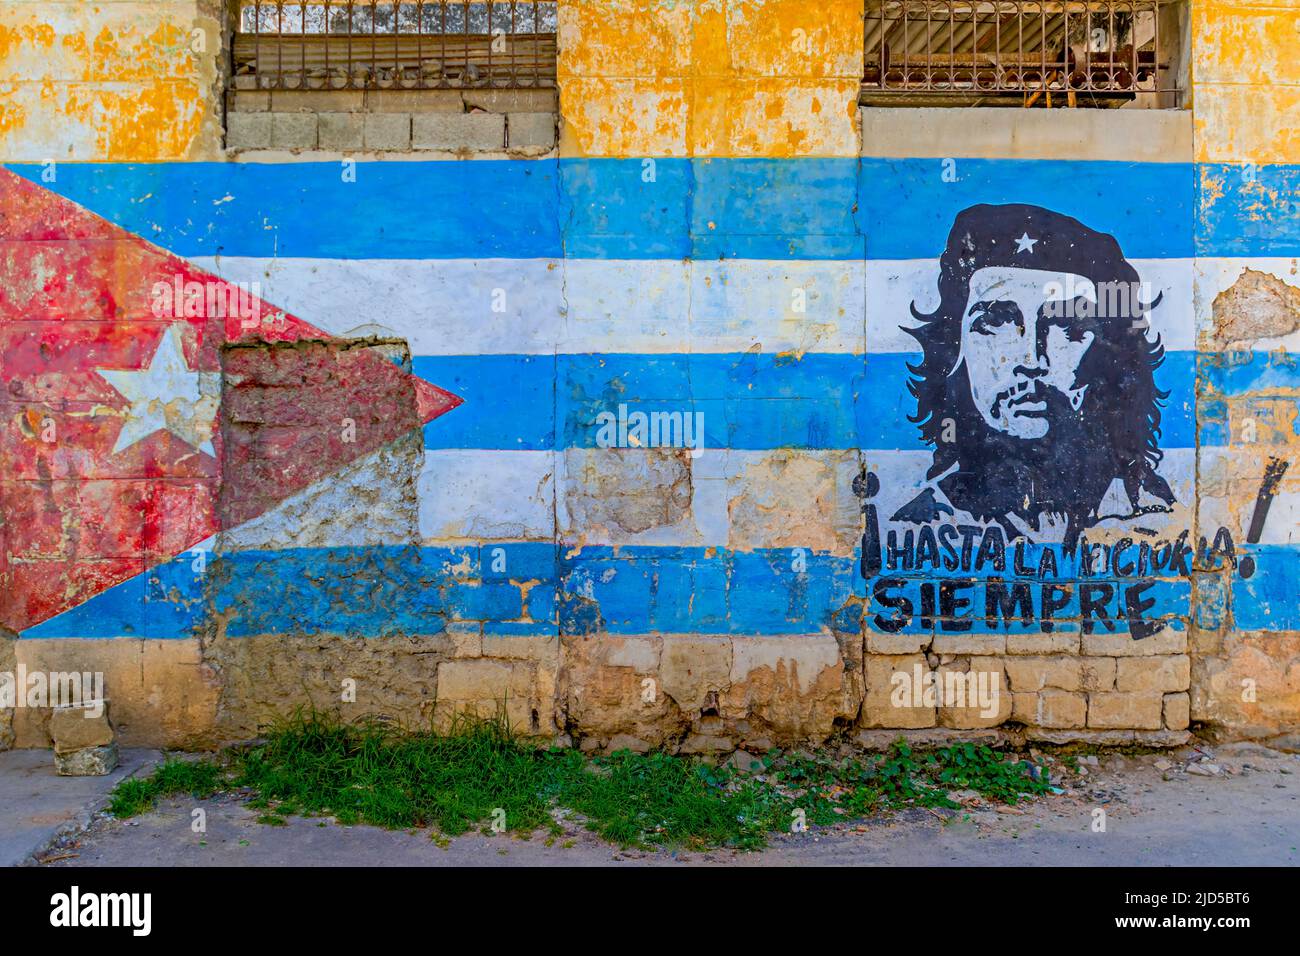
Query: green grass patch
pixel 198 778
pixel 478 774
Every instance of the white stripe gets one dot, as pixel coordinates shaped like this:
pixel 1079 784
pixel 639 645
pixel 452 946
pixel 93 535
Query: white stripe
pixel 1242 471
pixel 737 499
pixel 478 495
pixel 439 306
pixel 538 306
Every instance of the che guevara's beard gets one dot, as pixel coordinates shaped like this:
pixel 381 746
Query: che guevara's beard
pixel 1066 472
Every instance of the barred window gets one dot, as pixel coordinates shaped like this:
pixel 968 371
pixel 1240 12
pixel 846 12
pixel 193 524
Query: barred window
pixel 394 44
pixel 1044 53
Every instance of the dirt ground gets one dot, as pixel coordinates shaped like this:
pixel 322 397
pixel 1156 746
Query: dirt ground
pixel 1235 805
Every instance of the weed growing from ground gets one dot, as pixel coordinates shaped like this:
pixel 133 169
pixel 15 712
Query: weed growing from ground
pixel 477 773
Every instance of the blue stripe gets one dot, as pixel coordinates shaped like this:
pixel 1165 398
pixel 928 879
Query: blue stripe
pixel 1269 381
pixel 607 208
pixel 504 208
pixel 1269 600
pixel 1248 210
pixel 907 206
pixel 749 400
pixel 384 591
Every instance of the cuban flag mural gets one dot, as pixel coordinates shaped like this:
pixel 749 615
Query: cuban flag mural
pixel 115 354
pixel 687 396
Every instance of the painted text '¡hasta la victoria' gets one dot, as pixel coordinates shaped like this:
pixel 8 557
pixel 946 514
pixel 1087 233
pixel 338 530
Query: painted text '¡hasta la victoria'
pixel 972 548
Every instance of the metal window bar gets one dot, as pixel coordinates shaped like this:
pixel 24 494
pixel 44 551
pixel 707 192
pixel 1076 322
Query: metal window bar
pixel 394 44
pixel 1083 52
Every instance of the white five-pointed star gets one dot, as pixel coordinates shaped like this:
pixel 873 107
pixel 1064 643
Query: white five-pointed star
pixel 166 395
pixel 1025 244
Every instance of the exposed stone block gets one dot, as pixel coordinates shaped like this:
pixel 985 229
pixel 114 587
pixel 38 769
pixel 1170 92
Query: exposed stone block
pixel 78 728
pixel 881 643
pixel 1061 709
pixel 968 643
pixel 1165 674
pixel 693 670
pixel 972 694
pixel 414 101
pixel 881 707
pixel 1056 643
pixel 293 130
pixel 486 688
pixel 88 762
pixel 455 131
pixel 537 130
pixel 387 131
pixel 1029 674
pixel 341 131
pixel 1097 673
pixel 248 101
pixel 1113 710
pixel 316 101
pixel 513 101
pixel 248 130
pixel 1177 711
pixel 1168 641
pixel 790 687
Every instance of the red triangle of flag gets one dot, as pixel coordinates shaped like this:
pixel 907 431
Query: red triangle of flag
pixel 146 404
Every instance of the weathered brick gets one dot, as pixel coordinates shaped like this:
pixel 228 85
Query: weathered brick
pixel 1168 641
pixel 482 131
pixel 293 130
pixel 414 101
pixel 1061 709
pixel 387 131
pixel 881 708
pixel 530 647
pixel 639 653
pixel 341 131
pixel 972 694
pixel 248 101
pixel 1097 673
pixel 881 643
pixel 1165 674
pixel 1056 643
pixel 969 644
pixel 1178 711
pixel 1115 710
pixel 487 687
pixel 1024 708
pixel 1029 674
pixel 692 668
pixel 316 101
pixel 248 130
pixel 513 101
pixel 530 130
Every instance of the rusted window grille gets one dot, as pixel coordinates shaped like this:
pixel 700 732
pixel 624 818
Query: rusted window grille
pixel 392 44
pixel 1033 52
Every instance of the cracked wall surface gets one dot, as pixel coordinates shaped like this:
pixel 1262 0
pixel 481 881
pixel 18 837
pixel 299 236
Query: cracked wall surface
pixel 651 439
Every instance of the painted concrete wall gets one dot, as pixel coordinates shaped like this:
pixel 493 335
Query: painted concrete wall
pixel 628 436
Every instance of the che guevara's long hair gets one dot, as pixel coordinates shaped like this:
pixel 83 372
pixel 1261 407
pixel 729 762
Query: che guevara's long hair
pixel 1118 429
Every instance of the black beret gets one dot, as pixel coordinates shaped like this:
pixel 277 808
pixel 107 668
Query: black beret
pixel 1030 237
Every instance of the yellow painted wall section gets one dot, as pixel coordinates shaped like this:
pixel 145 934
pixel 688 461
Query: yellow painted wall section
pixel 1246 80
pixel 109 81
pixel 773 78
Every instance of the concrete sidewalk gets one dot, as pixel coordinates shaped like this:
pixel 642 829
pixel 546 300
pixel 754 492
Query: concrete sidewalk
pixel 40 806
pixel 1242 810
